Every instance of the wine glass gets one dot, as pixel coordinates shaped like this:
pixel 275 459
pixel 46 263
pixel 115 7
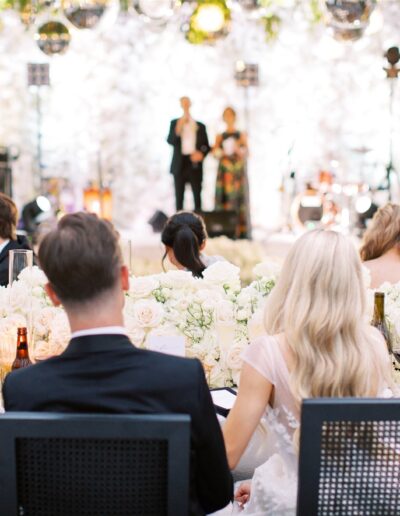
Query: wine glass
pixel 19 259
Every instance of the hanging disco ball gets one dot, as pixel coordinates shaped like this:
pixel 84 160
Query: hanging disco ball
pixel 84 14
pixel 53 37
pixel 158 11
pixel 349 18
pixel 249 5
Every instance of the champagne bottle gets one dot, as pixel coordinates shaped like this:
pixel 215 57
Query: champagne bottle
pixel 22 357
pixel 379 320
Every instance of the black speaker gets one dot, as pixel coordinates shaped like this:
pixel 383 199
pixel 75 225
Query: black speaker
pixel 220 223
pixel 157 221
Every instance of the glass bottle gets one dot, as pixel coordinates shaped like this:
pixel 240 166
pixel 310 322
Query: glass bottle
pixel 379 320
pixel 22 357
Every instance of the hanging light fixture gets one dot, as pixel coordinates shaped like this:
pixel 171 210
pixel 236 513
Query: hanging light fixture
pixel 156 11
pixel 84 14
pixel 210 20
pixel 53 37
pixel 349 18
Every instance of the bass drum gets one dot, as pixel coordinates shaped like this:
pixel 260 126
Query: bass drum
pixel 307 210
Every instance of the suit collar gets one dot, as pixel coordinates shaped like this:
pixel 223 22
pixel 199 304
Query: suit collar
pixel 97 343
pixel 20 243
pixel 4 251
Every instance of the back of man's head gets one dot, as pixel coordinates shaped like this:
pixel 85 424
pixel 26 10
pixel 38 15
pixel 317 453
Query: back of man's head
pixel 81 258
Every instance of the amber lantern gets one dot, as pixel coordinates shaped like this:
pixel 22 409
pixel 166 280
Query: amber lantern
pixel 98 200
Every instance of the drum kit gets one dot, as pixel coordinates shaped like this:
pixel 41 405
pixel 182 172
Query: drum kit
pixel 328 202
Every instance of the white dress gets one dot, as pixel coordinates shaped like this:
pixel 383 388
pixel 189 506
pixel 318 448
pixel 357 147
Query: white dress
pixel 274 483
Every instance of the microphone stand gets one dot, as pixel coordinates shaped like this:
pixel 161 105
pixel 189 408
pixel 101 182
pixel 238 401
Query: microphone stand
pixel 392 74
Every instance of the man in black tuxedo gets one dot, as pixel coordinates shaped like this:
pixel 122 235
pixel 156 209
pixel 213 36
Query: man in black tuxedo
pixel 190 142
pixel 101 371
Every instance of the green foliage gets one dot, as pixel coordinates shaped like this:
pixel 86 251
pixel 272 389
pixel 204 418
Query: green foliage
pixel 272 24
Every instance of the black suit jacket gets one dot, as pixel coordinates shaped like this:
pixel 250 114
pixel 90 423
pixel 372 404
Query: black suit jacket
pixel 173 139
pixel 107 374
pixel 20 243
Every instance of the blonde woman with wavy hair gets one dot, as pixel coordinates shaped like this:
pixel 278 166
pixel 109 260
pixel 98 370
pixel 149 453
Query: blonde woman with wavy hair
pixel 318 343
pixel 380 251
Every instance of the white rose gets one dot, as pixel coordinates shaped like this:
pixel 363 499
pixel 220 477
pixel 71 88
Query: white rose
pixel 38 291
pixel 60 333
pixel 194 350
pixel 9 325
pixel 19 297
pixel 181 304
pixel 33 277
pixel 267 269
pixel 148 313
pixel 222 273
pixel 142 287
pixel 177 279
pixel 256 327
pixel 136 335
pixel 4 301
pixel 210 344
pixel 218 377
pixel 245 297
pixel 233 358
pixel 196 333
pixel 244 313
pixel 43 319
pixel 42 349
pixel 175 317
pixel 205 294
pixel 225 313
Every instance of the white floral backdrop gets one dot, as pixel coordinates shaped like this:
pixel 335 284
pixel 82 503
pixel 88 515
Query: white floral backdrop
pixel 115 90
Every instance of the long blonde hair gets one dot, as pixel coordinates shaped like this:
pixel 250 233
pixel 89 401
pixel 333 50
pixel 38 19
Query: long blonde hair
pixel 319 303
pixel 383 234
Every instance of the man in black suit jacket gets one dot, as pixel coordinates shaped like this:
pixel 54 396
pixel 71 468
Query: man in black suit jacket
pixel 190 142
pixel 101 371
pixel 9 240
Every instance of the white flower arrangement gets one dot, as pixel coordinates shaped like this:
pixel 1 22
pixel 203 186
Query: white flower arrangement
pixel 213 314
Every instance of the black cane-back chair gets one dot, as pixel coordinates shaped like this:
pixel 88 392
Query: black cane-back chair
pixel 94 465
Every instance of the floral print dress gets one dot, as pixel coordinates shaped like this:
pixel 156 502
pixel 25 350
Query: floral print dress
pixel 232 192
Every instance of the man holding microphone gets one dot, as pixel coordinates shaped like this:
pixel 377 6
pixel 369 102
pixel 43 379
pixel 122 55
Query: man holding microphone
pixel 190 142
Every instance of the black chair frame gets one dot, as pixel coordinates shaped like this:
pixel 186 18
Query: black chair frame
pixel 316 412
pixel 174 429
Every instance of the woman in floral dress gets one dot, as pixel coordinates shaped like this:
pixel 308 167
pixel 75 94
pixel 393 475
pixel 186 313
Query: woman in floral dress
pixel 232 192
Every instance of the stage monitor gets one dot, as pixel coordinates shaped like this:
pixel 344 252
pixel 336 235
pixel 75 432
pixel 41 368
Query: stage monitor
pixel 220 223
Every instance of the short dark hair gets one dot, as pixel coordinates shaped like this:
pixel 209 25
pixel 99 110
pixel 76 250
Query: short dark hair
pixel 185 232
pixel 81 257
pixel 8 218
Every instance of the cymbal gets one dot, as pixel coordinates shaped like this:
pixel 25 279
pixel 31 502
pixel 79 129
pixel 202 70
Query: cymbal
pixel 361 150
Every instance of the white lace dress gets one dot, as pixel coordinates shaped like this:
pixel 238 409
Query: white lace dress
pixel 274 483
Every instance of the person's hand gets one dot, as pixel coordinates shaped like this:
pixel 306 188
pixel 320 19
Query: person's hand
pixel 196 156
pixel 185 119
pixel 242 494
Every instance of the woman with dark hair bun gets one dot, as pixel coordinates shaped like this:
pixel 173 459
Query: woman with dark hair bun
pixel 184 236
